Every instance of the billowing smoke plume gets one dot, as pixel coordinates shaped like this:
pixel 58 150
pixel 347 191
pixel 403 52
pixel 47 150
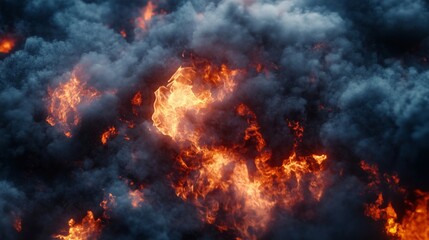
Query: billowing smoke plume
pixel 352 73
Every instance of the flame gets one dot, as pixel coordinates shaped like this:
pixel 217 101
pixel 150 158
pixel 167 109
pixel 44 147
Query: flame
pixel 107 203
pixel 136 198
pixel 108 134
pixel 6 45
pixel 147 13
pixel 137 101
pixel 63 103
pixel 174 101
pixel 90 228
pixel 216 178
pixel 414 223
pixel 110 200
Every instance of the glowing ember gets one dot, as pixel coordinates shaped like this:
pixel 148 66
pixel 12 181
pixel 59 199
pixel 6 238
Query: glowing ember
pixel 146 15
pixel 63 103
pixel 137 101
pixel 111 132
pixel 123 33
pixel 90 228
pixel 216 179
pixel 6 45
pixel 17 224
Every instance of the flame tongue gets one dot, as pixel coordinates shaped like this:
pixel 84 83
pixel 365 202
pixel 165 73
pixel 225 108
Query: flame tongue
pixel 64 102
pixel 216 178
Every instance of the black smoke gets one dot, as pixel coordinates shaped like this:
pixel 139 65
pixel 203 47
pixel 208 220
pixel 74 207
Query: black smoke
pixel 354 73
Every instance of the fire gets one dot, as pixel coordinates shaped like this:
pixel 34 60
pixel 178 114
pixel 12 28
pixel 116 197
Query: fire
pixel 416 218
pixel 414 224
pixel 146 15
pixel 181 96
pixel 136 198
pixel 136 102
pixel 90 228
pixel 63 103
pixel 216 178
pixel 6 45
pixel 137 99
pixel 108 134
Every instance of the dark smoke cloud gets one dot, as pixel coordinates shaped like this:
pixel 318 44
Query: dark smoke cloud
pixel 354 73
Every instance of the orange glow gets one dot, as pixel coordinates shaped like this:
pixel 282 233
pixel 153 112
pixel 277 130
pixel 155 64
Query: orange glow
pixel 107 203
pixel 146 15
pixel 6 45
pixel 110 200
pixel 137 101
pixel 414 224
pixel 111 132
pixel 189 91
pixel 63 103
pixel 123 33
pixel 136 198
pixel 17 224
pixel 90 228
pixel 216 178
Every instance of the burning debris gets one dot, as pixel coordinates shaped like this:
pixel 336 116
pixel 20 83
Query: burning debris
pixel 232 119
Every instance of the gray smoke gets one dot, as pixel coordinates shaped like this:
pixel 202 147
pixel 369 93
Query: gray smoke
pixel 353 73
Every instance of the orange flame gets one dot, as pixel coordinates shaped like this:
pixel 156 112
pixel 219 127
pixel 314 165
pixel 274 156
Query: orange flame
pixel 136 198
pixel 217 179
pixel 90 228
pixel 180 97
pixel 415 222
pixel 137 99
pixel 63 103
pixel 6 45
pixel 146 15
pixel 108 134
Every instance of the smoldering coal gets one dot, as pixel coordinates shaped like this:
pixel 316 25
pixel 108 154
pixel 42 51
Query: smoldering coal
pixel 354 75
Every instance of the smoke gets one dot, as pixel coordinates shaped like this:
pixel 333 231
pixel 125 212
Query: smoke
pixel 354 74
